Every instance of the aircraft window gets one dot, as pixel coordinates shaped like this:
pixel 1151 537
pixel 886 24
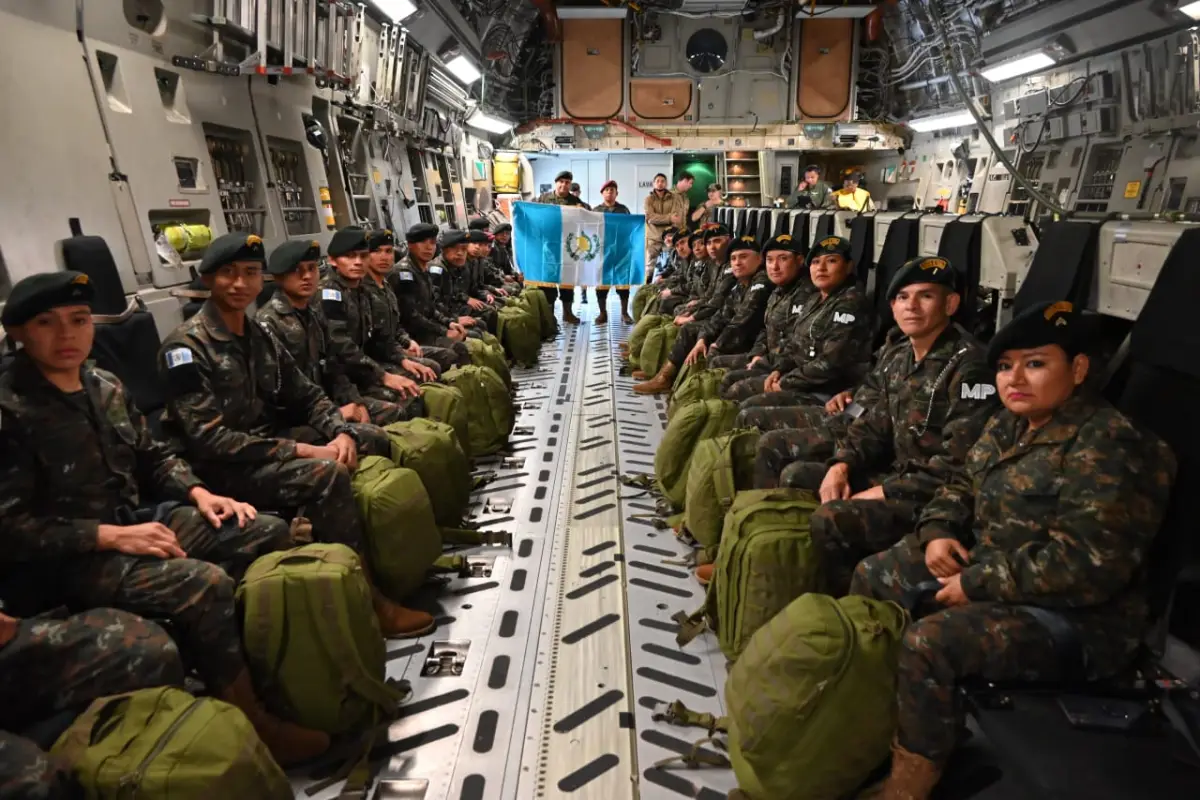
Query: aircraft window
pixel 706 50
pixel 148 16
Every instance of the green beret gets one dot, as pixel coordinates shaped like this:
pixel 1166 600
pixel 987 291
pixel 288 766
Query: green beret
pixel 378 239
pixel 1042 324
pixel 829 246
pixel 44 291
pixel 421 232
pixel 743 243
pixel 923 269
pixel 785 242
pixel 347 240
pixel 230 248
pixel 289 255
pixel 716 229
pixel 453 238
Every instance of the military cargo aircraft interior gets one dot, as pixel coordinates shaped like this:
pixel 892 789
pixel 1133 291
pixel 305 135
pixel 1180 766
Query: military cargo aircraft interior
pixel 507 399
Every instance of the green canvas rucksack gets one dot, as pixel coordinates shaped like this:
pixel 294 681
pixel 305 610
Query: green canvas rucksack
pixel 721 467
pixel 536 298
pixel 521 333
pixel 657 347
pixel 431 450
pixel 489 407
pixel 490 356
pixel 695 382
pixel 445 404
pixel 637 338
pixel 165 743
pixel 402 536
pixel 641 300
pixel 812 700
pixel 312 639
pixel 691 425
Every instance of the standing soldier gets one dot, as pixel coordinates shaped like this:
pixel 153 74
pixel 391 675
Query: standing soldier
pixel 413 286
pixel 663 212
pixel 561 196
pixel 610 206
pixel 704 213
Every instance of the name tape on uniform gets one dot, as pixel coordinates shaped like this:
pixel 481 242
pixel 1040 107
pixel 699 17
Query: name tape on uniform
pixel 178 357
pixel 331 294
pixel 843 317
pixel 979 391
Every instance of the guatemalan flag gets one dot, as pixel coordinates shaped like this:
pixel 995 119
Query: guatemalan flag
pixel 569 246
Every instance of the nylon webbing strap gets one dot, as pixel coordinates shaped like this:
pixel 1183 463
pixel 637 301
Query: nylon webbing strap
pixel 690 626
pixel 676 713
pixel 465 536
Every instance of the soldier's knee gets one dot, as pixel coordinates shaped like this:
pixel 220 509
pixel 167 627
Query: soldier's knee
pixel 275 532
pixel 749 418
pixel 862 582
pixel 804 475
pixel 28 773
pixel 203 581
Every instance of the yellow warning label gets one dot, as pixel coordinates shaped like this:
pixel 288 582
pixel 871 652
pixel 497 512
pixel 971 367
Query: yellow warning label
pixel 378 178
pixel 1133 189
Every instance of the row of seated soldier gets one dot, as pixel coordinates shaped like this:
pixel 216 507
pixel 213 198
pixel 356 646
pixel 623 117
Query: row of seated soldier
pixel 118 529
pixel 992 477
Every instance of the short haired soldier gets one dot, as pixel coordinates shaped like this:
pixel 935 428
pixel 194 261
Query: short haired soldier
pixel 231 390
pixel 449 282
pixel 1047 530
pixel 413 283
pixel 502 256
pixel 470 286
pixel 77 467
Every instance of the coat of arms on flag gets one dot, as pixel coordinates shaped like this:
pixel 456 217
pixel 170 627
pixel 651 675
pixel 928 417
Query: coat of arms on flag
pixel 569 246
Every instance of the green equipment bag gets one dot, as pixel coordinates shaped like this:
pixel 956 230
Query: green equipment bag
pixel 446 404
pixel 402 534
pixel 637 338
pixel 547 325
pixel 721 467
pixel 657 347
pixel 693 383
pixel 812 700
pixel 165 743
pixel 431 450
pixel 490 356
pixel 645 294
pixel 312 640
pixel 694 423
pixel 521 334
pixel 489 407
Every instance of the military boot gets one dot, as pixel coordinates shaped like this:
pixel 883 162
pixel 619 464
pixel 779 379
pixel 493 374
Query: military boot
pixel 660 383
pixel 288 742
pixel 704 573
pixel 912 778
pixel 398 622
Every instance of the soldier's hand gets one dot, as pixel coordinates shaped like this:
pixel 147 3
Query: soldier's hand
pixel 420 370
pixel 466 322
pixel 405 387
pixel 874 493
pixel 147 539
pixel 754 361
pixel 952 592
pixel 476 304
pixel 491 298
pixel 345 450
pixel 837 404
pixel 696 353
pixel 413 349
pixel 836 485
pixel 456 333
pixel 771 384
pixel 940 557
pixel 8 629
pixel 353 412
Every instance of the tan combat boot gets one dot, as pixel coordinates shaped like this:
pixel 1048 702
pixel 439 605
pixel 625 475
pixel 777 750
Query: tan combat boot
pixel 660 383
pixel 912 778
pixel 398 622
pixel 288 742
pixel 704 573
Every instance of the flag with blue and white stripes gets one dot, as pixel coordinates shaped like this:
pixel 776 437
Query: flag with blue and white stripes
pixel 568 246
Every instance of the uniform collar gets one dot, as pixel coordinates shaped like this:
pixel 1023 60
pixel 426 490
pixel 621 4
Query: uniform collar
pixel 27 378
pixel 281 305
pixel 210 318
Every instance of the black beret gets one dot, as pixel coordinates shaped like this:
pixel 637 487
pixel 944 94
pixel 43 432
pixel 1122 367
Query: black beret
pixel 503 227
pixel 229 248
pixel 478 224
pixel 785 242
pixel 289 255
pixel 717 229
pixel 382 238
pixel 347 240
pixel 1039 325
pixel 44 291
pixel 452 238
pixel 828 246
pixel 923 269
pixel 565 175
pixel 477 237
pixel 421 232
pixel 743 243
pixel 669 232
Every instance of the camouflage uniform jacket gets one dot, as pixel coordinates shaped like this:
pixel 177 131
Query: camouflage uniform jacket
pixel 734 328
pixel 68 462
pixel 552 199
pixel 416 297
pixel 784 307
pixel 476 284
pixel 347 312
pixel 502 260
pixel 386 339
pixel 1061 517
pixel 304 333
pixel 456 284
pixel 714 299
pixel 228 396
pixel 672 272
pixel 921 417
pixel 830 348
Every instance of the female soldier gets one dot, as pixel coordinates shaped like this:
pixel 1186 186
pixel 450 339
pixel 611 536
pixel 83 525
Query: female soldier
pixel 1047 526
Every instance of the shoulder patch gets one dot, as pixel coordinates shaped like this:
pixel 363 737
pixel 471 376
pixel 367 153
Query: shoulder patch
pixel 331 294
pixel 728 271
pixel 405 275
pixel 757 286
pixel 798 308
pixel 843 317
pixel 435 270
pixel 977 391
pixel 178 357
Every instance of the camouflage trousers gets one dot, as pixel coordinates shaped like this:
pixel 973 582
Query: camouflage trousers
pixel 28 773
pixel 775 411
pixel 786 455
pixel 993 641
pixel 684 342
pixel 231 548
pixel 425 361
pixel 742 382
pixel 458 355
pixel 730 361
pixel 385 406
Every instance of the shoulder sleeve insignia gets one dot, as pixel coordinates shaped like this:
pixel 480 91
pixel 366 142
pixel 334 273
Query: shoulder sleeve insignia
pixel 331 294
pixel 435 270
pixel 405 275
pixel 178 357
pixel 843 317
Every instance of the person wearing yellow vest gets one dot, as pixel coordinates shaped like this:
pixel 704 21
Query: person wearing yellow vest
pixel 851 197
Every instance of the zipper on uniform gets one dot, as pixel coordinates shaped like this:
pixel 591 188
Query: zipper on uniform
pixel 135 778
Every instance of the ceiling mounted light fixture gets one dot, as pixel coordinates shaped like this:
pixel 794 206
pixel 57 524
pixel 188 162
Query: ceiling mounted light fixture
pixel 397 9
pixel 486 122
pixel 1018 67
pixel 1190 9
pixel 939 122
pixel 457 64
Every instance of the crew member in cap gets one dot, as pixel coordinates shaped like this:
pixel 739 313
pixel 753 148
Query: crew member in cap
pixel 452 283
pixel 98 514
pixel 231 389
pixel 609 205
pixel 732 328
pixel 830 346
pixel 663 209
pixel 1048 526
pixel 481 297
pixel 483 264
pixel 704 213
pixel 561 196
pixel 919 410
pixel 414 285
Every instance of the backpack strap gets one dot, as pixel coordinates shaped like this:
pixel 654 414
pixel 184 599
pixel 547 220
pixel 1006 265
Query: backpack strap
pixel 698 756
pixel 690 625
pixel 676 713
pixel 468 536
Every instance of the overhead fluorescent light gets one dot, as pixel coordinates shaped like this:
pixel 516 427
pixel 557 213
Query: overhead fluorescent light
pixel 1191 9
pixel 939 122
pixel 486 122
pixel 397 9
pixel 462 68
pixel 1018 66
pixel 592 13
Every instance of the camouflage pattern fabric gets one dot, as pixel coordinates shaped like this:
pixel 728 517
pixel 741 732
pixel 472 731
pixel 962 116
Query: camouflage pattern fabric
pixel 386 337
pixel 812 438
pixel 417 300
pixel 29 773
pixel 347 312
pixel 830 346
pixel 775 411
pixel 734 328
pixel 784 307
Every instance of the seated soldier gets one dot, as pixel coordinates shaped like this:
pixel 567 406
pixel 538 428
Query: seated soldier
pixel 481 253
pixel 416 294
pixel 231 390
pixel 830 346
pixel 1048 526
pixel 299 327
pixel 924 404
pixel 469 281
pixel 670 294
pixel 77 468
pixel 446 273
pixel 731 328
pixel 57 665
pixel 502 258
pixel 387 340
pixel 347 311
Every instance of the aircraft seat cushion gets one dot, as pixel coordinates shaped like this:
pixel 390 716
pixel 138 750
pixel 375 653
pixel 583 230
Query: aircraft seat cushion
pixel 129 350
pixel 1063 265
pixel 91 256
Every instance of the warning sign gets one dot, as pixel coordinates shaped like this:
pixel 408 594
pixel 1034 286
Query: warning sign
pixel 1132 190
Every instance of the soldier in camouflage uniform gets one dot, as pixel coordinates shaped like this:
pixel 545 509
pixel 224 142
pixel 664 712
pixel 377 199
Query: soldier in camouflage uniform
pixel 77 464
pixel 830 347
pixel 469 282
pixel 561 195
pixel 923 406
pixel 502 258
pixel 445 273
pixel 416 295
pixel 1049 525
pixel 483 254
pixel 58 664
pixel 231 390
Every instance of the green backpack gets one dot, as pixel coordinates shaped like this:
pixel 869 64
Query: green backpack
pixel 490 356
pixel 402 534
pixel 641 300
pixel 536 298
pixel 695 382
pixel 637 337
pixel 812 700
pixel 165 743
pixel 693 424
pixel 445 404
pixel 657 347
pixel 312 640
pixel 521 333
pixel 489 406
pixel 721 467
pixel 431 450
